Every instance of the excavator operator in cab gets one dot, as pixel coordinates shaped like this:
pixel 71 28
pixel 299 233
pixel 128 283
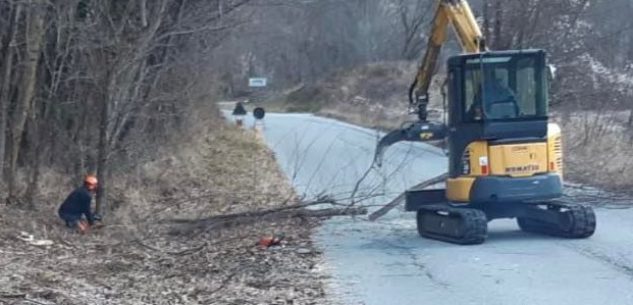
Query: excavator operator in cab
pixel 498 100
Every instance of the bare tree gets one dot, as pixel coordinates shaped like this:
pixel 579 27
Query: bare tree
pixel 104 89
pixel 414 18
pixel 7 70
pixel 34 34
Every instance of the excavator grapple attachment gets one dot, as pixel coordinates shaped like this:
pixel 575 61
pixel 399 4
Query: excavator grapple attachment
pixel 414 132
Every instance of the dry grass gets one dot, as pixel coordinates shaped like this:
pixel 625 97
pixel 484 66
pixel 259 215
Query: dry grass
pixel 372 85
pixel 598 150
pixel 140 257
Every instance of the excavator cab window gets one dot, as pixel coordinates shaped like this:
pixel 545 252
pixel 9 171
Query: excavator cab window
pixel 504 88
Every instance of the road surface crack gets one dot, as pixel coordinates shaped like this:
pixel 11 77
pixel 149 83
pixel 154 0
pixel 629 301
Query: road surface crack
pixel 422 267
pixel 617 265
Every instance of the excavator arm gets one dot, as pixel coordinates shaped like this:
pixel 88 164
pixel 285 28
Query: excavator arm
pixel 448 12
pixel 458 14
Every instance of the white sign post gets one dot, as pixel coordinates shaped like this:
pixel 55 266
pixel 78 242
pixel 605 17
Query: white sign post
pixel 257 82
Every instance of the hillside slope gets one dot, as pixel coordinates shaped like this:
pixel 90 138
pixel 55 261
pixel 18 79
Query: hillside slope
pixel 373 95
pixel 141 256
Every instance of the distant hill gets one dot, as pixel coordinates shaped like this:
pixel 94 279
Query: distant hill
pixel 372 95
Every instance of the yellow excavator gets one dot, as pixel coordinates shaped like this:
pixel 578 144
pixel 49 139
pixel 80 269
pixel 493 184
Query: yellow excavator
pixel 505 158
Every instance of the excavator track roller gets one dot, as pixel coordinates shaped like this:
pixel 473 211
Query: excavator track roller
pixel 576 221
pixel 455 225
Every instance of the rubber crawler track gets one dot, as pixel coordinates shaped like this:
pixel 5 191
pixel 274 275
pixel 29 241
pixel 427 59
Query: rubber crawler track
pixel 581 223
pixel 472 228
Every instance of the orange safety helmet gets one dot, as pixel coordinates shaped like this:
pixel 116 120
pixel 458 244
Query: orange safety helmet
pixel 91 180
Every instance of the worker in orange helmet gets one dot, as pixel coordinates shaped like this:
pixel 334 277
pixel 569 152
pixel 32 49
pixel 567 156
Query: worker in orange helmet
pixel 77 205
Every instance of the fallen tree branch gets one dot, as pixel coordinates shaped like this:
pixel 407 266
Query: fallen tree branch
pixel 291 211
pixel 249 216
pixel 35 301
pixel 396 201
pixel 13 295
pixel 224 283
pixel 257 213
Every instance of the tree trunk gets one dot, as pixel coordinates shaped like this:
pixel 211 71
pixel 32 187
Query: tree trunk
pixel 83 142
pixel 6 86
pixel 39 134
pixel 486 15
pixel 34 36
pixel 34 180
pixel 497 45
pixel 103 149
pixel 143 7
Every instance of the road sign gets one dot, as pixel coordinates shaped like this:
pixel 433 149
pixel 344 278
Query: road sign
pixel 257 82
pixel 259 113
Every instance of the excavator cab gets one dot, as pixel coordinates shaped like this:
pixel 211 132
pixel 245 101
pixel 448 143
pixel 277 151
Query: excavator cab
pixel 499 130
pixel 508 86
pixel 496 96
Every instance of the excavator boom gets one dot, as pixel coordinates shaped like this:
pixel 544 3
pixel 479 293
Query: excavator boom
pixel 448 12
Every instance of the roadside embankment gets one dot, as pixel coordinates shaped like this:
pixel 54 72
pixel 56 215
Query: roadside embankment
pixel 140 256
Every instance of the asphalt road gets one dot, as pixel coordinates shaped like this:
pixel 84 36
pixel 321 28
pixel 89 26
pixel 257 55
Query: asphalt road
pixel 385 262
